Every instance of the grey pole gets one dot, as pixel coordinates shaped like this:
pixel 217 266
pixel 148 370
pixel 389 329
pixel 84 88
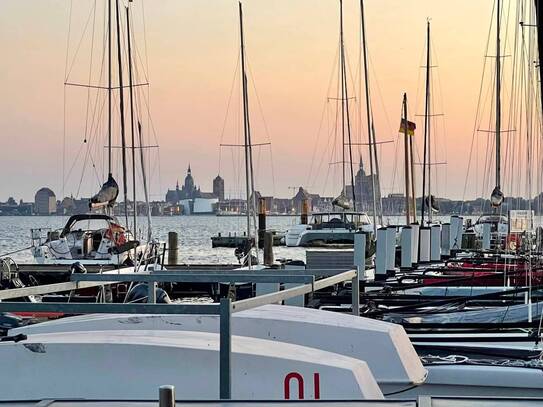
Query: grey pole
pixel 486 236
pixel 225 357
pixel 173 247
pixel 166 396
pixel 355 283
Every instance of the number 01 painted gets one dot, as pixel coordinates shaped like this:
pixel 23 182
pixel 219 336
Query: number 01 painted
pixel 297 377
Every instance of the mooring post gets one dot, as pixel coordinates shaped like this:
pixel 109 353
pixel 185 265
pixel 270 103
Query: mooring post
pixel 261 222
pixel 268 248
pixel 381 255
pixel 486 236
pixel 360 267
pixel 446 240
pixel 406 242
pixel 166 396
pixel 424 242
pixel 172 247
pixel 305 211
pixel 225 351
pixel 435 243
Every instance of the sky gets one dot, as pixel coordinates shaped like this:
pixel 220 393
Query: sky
pixel 190 51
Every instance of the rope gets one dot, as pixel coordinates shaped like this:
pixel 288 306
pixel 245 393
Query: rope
pixel 16 251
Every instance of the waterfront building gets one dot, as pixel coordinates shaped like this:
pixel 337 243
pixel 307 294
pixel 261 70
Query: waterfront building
pixel 218 188
pixel 45 202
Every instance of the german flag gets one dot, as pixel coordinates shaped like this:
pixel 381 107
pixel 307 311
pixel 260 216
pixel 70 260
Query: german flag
pixel 410 127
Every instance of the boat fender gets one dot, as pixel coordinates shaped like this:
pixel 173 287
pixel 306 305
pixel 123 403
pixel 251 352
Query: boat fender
pixel 140 291
pixel 78 268
pixel 513 242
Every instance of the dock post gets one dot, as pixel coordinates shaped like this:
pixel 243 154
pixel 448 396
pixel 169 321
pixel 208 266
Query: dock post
pixel 355 292
pixel 305 211
pixel 456 232
pixel 225 351
pixel 424 252
pixel 173 247
pixel 151 292
pixel 360 266
pixel 415 243
pixel 406 243
pixel 268 248
pixel 381 255
pixel 166 396
pixel 435 243
pixel 391 251
pixel 446 240
pixel 486 236
pixel 261 222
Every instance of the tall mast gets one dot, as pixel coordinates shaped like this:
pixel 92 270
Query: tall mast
pixel 345 115
pixel 497 195
pixel 406 161
pixel 249 181
pixel 132 132
pixel 109 87
pixel 121 100
pixel 371 133
pixel 539 23
pixel 426 162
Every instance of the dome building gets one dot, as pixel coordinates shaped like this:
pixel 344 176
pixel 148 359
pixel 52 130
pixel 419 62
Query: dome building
pixel 45 202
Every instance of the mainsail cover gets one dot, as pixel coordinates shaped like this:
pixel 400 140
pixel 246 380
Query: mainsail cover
pixel 342 202
pixel 107 194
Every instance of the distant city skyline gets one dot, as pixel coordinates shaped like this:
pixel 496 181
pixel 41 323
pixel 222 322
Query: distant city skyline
pixel 292 51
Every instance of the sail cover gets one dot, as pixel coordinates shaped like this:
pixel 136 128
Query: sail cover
pixel 107 194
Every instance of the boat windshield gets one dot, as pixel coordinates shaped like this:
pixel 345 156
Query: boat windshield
pixel 492 219
pixel 341 217
pixel 89 225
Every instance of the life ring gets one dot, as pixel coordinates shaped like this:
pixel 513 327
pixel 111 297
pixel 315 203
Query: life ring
pixel 116 234
pixel 513 242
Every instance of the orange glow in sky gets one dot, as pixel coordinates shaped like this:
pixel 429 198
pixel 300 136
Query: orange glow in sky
pixel 192 53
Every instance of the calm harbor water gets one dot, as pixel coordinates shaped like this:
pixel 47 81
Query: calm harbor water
pixel 194 235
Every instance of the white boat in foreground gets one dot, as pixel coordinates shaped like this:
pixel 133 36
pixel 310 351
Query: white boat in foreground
pixel 132 364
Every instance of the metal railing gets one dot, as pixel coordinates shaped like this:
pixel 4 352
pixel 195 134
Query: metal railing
pixel 307 279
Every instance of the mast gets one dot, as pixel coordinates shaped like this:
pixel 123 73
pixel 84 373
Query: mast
pixel 109 87
pixel 406 161
pixel 539 23
pixel 412 168
pixel 249 182
pixel 345 115
pixel 371 132
pixel 121 101
pixel 426 162
pixel 496 197
pixel 132 132
pixel 145 190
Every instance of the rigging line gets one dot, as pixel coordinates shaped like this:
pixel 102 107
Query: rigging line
pixel 475 121
pixel 64 98
pixel 90 70
pixel 323 115
pixel 226 115
pixel 68 39
pixel 261 110
pixel 67 75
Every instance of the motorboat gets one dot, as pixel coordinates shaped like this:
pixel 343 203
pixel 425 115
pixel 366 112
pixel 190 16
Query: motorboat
pixel 499 225
pixel 329 228
pixel 90 238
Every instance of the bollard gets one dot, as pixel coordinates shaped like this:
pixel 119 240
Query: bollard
pixel 424 243
pixel 446 240
pixel 486 236
pixel 456 232
pixel 166 396
pixel 406 243
pixel 381 255
pixel 415 243
pixel 391 251
pixel 435 243
pixel 173 247
pixel 261 222
pixel 268 248
pixel 305 211
pixel 360 254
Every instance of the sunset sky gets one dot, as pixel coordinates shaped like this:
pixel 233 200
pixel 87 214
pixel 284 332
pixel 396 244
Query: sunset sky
pixel 192 52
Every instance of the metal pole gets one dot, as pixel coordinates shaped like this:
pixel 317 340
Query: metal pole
pixel 166 396
pixel 406 162
pixel 225 356
pixel 368 116
pixel 498 96
pixel 109 88
pixel 355 283
pixel 132 129
pixel 426 134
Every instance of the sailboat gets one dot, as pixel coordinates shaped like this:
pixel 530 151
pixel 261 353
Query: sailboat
pixel 98 237
pixel 340 225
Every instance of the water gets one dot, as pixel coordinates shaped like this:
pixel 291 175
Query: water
pixel 194 235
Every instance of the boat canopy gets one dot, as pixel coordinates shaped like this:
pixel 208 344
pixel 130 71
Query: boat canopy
pixel 87 216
